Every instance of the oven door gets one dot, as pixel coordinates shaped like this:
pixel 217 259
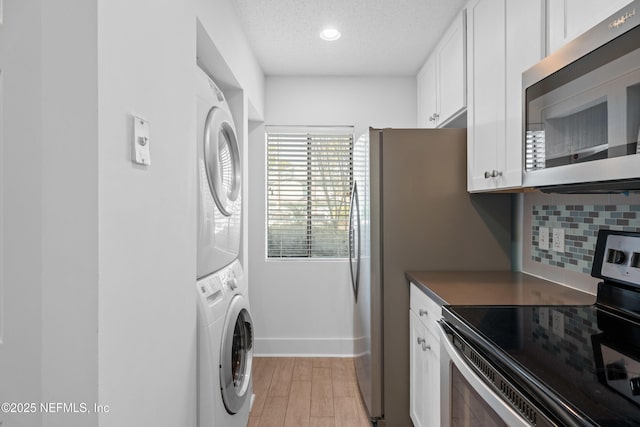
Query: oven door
pixel 470 399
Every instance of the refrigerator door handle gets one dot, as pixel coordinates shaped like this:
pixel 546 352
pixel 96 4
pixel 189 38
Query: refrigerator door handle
pixel 354 253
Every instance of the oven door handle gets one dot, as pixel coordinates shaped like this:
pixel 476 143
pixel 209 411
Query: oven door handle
pixel 504 411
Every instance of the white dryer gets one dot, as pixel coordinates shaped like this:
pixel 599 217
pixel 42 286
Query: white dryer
pixel 225 349
pixel 219 179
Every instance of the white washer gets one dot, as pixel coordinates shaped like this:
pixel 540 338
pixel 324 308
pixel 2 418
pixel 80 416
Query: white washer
pixel 225 349
pixel 219 179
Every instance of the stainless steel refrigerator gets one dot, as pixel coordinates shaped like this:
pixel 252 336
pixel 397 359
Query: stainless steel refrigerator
pixel 410 210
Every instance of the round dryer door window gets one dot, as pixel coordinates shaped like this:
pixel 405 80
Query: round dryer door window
pixel 222 159
pixel 236 355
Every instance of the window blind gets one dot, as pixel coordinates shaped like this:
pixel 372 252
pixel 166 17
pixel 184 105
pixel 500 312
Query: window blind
pixel 309 176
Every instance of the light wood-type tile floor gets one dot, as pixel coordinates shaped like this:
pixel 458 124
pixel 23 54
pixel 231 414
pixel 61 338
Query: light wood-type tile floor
pixel 306 392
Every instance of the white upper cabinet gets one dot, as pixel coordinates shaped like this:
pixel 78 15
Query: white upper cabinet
pixel 452 67
pixel 524 48
pixel 441 82
pixel 504 38
pixel 427 92
pixel 567 19
pixel 486 94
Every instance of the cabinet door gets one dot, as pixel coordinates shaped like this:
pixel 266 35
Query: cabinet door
pixel 567 19
pixel 424 378
pixel 452 76
pixel 418 372
pixel 486 93
pixel 427 94
pixel 432 380
pixel 524 48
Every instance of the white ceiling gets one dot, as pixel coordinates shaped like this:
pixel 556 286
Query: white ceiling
pixel 379 37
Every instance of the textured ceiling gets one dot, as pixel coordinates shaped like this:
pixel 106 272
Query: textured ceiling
pixel 379 37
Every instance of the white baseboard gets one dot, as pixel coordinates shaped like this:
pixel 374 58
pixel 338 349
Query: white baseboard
pixel 305 347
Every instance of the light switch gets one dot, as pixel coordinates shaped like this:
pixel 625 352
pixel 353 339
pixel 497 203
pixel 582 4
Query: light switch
pixel 141 150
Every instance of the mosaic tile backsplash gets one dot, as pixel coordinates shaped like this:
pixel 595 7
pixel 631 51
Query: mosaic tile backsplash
pixel 581 224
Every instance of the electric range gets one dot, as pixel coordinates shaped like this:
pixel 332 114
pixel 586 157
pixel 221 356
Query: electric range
pixel 564 365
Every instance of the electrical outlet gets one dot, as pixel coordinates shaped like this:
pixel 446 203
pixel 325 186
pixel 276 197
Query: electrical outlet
pixel 557 323
pixel 543 317
pixel 558 240
pixel 543 238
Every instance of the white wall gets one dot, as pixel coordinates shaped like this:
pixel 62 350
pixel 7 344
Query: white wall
pixel 48 351
pixel 146 57
pixel 70 216
pixel 21 197
pixel 306 307
pixel 98 255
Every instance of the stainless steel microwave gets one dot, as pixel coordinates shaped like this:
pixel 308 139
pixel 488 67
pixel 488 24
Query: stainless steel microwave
pixel 582 110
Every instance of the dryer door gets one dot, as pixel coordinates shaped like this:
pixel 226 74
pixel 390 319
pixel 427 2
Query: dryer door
pixel 236 355
pixel 222 159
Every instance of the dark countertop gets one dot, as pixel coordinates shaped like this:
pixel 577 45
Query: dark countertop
pixel 495 288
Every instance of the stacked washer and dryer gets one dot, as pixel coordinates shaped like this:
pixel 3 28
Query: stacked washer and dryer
pixel 225 330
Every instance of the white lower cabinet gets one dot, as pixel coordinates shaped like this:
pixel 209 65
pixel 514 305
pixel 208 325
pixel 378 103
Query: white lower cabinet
pixel 424 365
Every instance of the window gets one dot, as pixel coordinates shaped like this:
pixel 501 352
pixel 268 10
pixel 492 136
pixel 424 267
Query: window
pixel 309 176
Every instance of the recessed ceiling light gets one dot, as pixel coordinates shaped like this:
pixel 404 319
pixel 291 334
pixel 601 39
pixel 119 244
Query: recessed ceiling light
pixel 330 34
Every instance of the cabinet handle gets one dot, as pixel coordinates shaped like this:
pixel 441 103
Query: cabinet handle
pixel 493 174
pixel 423 312
pixel 421 341
pixel 436 115
pixel 432 118
pixel 426 347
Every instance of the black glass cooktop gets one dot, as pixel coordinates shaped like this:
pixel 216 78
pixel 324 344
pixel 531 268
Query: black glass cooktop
pixel 587 357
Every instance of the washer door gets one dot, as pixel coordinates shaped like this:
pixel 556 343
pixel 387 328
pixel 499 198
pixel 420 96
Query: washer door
pixel 222 159
pixel 236 355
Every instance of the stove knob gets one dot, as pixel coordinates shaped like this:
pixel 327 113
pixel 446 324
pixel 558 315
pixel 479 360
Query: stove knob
pixel 616 257
pixel 634 384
